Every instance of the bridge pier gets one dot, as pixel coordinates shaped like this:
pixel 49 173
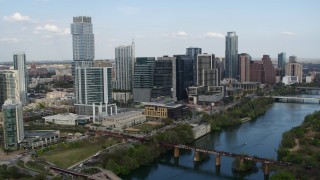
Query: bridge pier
pixel 266 171
pixel 218 160
pixel 176 153
pixel 196 157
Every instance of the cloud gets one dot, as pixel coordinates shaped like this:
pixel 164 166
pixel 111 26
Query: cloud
pixel 287 33
pixel 9 40
pixel 128 10
pixel 214 35
pixel 17 17
pixel 179 35
pixel 52 29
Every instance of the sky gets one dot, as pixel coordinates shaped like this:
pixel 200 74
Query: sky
pixel 41 28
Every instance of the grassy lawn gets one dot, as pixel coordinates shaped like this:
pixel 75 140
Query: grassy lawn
pixel 144 127
pixel 68 154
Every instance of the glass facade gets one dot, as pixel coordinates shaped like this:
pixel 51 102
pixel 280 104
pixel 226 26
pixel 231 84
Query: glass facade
pixel 19 64
pixel 231 57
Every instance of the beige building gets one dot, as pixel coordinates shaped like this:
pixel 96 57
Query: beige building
pixel 244 60
pixel 124 120
pixel 293 68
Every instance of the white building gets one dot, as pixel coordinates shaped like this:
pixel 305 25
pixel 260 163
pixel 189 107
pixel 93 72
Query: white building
pixel 288 80
pixel 67 119
pixel 124 120
pixel 124 59
pixel 19 63
pixel 294 69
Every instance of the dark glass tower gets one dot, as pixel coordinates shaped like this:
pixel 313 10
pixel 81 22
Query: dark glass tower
pixel 231 59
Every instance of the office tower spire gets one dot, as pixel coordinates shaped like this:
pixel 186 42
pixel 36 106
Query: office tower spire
pixel 231 59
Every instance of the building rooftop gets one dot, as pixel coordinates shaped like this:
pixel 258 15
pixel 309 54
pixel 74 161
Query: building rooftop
pixel 66 116
pixel 170 105
pixel 129 113
pixel 41 133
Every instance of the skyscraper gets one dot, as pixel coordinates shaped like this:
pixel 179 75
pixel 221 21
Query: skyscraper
pixel 193 52
pixel 244 60
pixel 163 77
pixel 124 59
pixel 83 44
pixel 270 76
pixel 82 40
pixel 181 77
pixel 13 131
pixel 282 63
pixel 293 68
pixel 9 85
pixel 231 58
pixel 143 79
pixel 19 64
pixel 207 72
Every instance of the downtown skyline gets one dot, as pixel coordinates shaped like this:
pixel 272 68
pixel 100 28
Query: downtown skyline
pixel 41 28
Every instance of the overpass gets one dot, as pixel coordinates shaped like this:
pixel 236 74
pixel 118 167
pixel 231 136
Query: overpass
pixel 293 99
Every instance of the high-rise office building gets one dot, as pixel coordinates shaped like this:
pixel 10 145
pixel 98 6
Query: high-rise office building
pixel 282 63
pixel 9 85
pixel 143 79
pixel 94 85
pixel 293 68
pixel 269 70
pixel 193 52
pixel 181 77
pixel 82 43
pixel 231 58
pixel 13 131
pixel 257 71
pixel 244 60
pixel 82 39
pixel 207 72
pixel 19 64
pixel 124 61
pixel 163 77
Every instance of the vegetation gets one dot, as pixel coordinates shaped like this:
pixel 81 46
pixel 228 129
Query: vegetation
pixel 123 161
pixel 37 166
pixel 66 154
pixel 62 84
pixel 243 165
pixel 11 173
pixel 301 146
pixel 91 171
pixel 233 116
pixel 282 176
pixel 281 90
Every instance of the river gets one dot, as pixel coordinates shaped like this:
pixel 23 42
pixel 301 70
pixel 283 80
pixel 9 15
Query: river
pixel 260 137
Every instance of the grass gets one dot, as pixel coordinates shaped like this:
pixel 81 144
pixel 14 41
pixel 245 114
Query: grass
pixel 66 155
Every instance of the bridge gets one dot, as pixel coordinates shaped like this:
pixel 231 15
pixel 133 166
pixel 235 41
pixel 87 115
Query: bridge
pixel 73 174
pixel 293 99
pixel 308 88
pixel 176 147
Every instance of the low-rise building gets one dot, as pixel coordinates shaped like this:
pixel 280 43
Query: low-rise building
pixel 124 120
pixel 200 130
pixel 67 119
pixel 40 138
pixel 288 80
pixel 169 110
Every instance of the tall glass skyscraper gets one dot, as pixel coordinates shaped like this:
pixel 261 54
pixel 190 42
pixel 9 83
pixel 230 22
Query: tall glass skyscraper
pixel 9 85
pixel 231 59
pixel 19 64
pixel 193 52
pixel 282 60
pixel 13 131
pixel 124 59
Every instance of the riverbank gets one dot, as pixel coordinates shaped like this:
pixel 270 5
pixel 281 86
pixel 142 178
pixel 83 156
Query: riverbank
pixel 301 146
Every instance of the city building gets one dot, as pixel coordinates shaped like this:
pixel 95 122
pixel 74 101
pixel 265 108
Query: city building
pixel 9 85
pixel 282 63
pixel 293 68
pixel 269 70
pixel 161 110
pixel 163 77
pixel 200 130
pixel 207 73
pixel 257 71
pixel 182 76
pixel 124 59
pixel 244 60
pixel 193 52
pixel 82 41
pixel 19 64
pixel 288 80
pixel 40 138
pixel 67 119
pixel 143 79
pixel 124 120
pixel 13 130
pixel 231 57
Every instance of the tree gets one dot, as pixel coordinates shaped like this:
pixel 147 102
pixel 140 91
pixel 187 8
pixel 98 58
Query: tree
pixel 282 176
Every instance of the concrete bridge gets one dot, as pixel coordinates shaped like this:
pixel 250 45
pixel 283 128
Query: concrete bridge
pixel 293 99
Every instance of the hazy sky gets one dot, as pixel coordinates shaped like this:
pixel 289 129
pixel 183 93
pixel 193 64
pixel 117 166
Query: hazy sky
pixel 41 28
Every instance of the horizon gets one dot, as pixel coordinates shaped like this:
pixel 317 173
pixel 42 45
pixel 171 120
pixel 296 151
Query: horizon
pixel 36 28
